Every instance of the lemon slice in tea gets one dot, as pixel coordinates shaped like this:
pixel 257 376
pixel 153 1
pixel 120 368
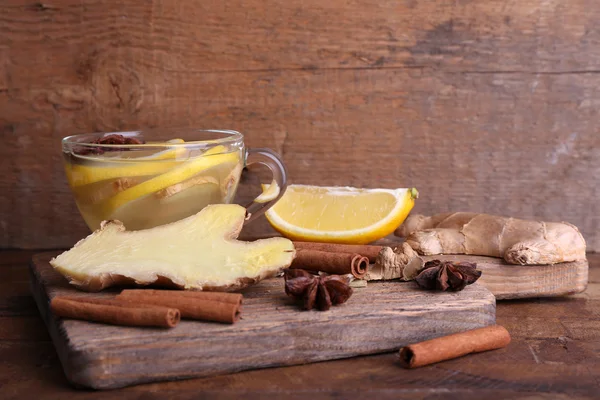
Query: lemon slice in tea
pixel 184 171
pixel 96 171
pixel 169 205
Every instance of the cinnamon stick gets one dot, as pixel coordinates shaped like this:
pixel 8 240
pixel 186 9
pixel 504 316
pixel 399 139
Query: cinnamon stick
pixel 116 312
pixel 193 305
pixel 232 298
pixel 332 263
pixel 366 250
pixel 453 346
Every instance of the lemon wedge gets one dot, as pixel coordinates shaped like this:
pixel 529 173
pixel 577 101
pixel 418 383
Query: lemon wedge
pixel 269 192
pixel 340 214
pixel 186 170
pixel 85 174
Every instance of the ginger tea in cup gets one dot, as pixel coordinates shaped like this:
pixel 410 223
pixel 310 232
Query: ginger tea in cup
pixel 143 181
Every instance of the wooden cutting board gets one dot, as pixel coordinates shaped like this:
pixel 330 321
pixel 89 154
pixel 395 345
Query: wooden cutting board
pixel 382 317
pixel 508 281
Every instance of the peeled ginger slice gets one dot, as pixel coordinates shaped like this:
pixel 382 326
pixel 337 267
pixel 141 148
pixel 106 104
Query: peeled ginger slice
pixel 199 252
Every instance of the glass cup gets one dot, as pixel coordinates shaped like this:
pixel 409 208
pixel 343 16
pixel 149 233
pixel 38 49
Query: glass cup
pixel 145 179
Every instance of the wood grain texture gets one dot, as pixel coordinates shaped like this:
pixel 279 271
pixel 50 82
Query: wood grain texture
pixel 487 106
pixel 508 281
pixel 545 360
pixel 382 317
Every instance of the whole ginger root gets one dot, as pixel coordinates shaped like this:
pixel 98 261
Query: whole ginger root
pixel 518 241
pixel 400 263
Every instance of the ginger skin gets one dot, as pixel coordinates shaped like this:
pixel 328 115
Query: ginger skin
pixel 518 241
pixel 401 263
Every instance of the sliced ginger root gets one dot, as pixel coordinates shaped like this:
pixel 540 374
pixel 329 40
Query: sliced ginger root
pixel 518 241
pixel 230 183
pixel 199 252
pixel 180 187
pixel 99 191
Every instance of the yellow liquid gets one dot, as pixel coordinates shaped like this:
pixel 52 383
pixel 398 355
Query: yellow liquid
pixel 143 193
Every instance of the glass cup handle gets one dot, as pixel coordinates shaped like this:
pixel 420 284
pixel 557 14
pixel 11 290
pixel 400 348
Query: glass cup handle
pixel 269 197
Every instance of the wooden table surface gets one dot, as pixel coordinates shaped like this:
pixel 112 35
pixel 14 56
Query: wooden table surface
pixel 555 354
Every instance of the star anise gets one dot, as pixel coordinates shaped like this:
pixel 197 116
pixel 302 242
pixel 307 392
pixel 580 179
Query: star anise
pixel 317 291
pixel 447 275
pixel 109 139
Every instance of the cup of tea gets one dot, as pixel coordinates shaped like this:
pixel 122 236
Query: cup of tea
pixel 150 178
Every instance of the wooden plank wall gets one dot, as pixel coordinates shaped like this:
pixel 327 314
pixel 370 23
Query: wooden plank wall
pixel 488 105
